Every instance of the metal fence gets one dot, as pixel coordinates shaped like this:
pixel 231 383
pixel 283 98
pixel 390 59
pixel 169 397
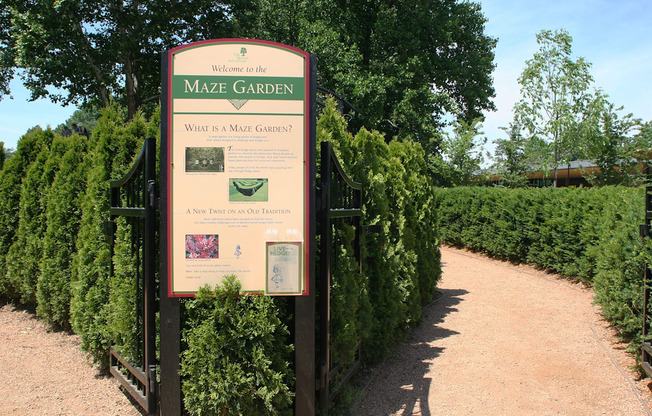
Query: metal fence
pixel 133 198
pixel 340 199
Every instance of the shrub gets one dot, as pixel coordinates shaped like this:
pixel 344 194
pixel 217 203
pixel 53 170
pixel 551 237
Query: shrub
pixel 123 291
pixel 25 254
pixel 401 262
pixel 117 145
pixel 237 354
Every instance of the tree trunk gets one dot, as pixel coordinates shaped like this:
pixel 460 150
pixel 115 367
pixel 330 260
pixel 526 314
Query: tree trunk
pixel 555 163
pixel 131 87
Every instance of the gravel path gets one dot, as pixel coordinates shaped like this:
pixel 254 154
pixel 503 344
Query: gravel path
pixel 501 340
pixel 507 340
pixel 45 373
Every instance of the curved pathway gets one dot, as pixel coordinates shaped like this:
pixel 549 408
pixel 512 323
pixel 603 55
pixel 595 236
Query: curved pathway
pixel 506 340
pixel 501 340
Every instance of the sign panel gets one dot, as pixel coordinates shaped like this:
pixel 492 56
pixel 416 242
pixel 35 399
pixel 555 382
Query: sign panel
pixel 238 166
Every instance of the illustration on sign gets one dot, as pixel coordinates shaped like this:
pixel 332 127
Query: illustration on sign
pixel 283 267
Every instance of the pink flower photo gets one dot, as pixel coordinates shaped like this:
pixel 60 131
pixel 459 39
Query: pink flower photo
pixel 202 246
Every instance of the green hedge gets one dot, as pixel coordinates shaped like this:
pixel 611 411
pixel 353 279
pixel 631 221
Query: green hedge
pixel 62 221
pixel 91 310
pixel 29 148
pixel 591 234
pixel 402 262
pixel 54 256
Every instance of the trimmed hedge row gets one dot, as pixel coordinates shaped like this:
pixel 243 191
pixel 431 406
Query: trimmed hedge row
pixel 591 234
pixel 402 262
pixel 54 257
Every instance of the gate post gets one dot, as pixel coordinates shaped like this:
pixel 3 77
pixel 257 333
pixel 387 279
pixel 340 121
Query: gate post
pixel 646 232
pixel 304 307
pixel 149 272
pixel 170 318
pixel 325 276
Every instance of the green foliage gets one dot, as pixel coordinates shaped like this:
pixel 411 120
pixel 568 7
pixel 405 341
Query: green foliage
pixel 237 354
pixel 404 65
pixel 93 50
pixel 121 308
pixel 401 262
pixel 350 306
pixel 511 159
pixel 63 217
pixel 117 145
pixel 24 255
pixel 11 177
pixel 86 116
pixel 461 156
pixel 610 144
pixel 587 234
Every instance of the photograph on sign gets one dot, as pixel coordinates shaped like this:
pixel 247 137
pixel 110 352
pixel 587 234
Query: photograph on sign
pixel 202 246
pixel 204 159
pixel 248 190
pixel 238 166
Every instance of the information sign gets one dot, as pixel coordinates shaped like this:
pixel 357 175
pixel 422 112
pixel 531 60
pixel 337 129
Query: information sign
pixel 237 166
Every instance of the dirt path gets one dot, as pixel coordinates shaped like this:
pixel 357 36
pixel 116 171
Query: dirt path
pixel 507 340
pixel 45 373
pixel 501 340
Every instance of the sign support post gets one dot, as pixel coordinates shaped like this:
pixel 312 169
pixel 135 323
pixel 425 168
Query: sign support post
pixel 304 332
pixel 170 316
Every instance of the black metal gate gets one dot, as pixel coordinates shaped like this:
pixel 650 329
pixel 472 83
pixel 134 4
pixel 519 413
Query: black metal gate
pixel 340 198
pixel 646 361
pixel 133 198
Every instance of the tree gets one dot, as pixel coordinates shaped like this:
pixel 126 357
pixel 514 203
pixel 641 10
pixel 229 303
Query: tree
pixel 511 160
pixel 556 96
pixel 461 160
pixel 86 116
pixel 62 219
pixel 116 145
pixel 611 146
pixel 643 139
pixel 24 257
pixel 93 51
pixel 11 178
pixel 403 65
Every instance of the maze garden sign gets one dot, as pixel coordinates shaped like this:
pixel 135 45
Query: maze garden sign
pixel 237 166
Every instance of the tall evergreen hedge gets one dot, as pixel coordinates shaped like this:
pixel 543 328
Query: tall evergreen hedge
pixel 12 175
pixel 54 193
pixel 63 216
pixel 25 253
pixel 117 144
pixel 591 234
pixel 401 264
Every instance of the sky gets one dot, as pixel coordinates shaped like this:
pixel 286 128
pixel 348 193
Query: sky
pixel 615 36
